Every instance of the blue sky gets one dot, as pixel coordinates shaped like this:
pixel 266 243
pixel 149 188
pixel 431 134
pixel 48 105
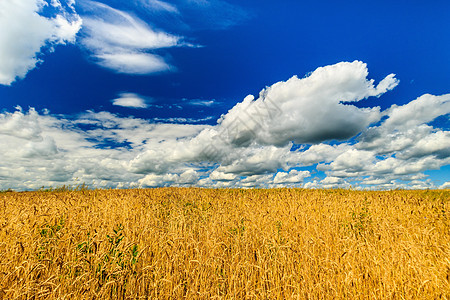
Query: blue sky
pixel 148 93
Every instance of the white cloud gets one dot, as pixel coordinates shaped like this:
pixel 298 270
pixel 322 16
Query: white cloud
pixel 42 149
pixel 199 102
pixel 308 110
pixel 420 111
pixel 318 153
pixel 20 125
pixel 256 160
pixel 329 182
pixel 159 5
pixel 404 143
pixel 130 100
pixel 66 30
pixel 221 176
pixel 115 39
pixel 294 176
pixel 387 84
pixel 256 181
pixel 435 143
pixel 106 150
pixel 350 161
pixel 132 63
pixel 59 151
pixel 122 42
pixel 406 167
pixel 188 177
pixel 24 33
pixel 119 29
pixel 183 120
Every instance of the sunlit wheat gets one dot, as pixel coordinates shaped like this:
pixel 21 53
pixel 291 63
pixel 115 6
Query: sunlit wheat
pixel 175 243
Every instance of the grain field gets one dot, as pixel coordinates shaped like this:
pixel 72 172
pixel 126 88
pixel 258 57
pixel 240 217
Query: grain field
pixel 190 243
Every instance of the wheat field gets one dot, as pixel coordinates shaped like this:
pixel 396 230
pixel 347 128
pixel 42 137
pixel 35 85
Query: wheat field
pixel 190 243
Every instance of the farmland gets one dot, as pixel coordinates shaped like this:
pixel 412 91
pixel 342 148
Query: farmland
pixel 174 243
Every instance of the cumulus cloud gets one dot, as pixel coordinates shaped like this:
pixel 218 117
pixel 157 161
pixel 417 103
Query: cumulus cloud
pixel 189 177
pixel 404 144
pixel 24 33
pixel 130 100
pixel 294 176
pixel 308 110
pixel 351 161
pixel 122 42
pixel 383 149
pixel 256 161
pixel 61 150
pixel 20 125
pixel 318 153
pixel 217 175
pixel 417 112
pixel 42 149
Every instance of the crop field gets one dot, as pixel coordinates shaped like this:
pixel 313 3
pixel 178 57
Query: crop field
pixel 190 243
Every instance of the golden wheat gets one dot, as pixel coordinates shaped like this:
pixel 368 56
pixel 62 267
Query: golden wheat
pixel 174 243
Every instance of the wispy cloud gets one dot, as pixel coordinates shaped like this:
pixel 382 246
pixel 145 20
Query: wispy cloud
pixel 181 120
pixel 115 39
pixel 158 5
pixel 199 102
pixel 122 42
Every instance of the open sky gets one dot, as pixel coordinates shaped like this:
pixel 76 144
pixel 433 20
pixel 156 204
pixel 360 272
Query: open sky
pixel 215 93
